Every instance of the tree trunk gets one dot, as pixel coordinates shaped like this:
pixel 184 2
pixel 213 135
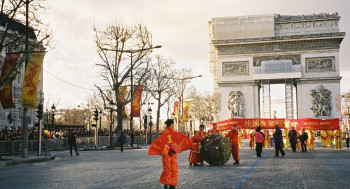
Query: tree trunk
pixel 119 120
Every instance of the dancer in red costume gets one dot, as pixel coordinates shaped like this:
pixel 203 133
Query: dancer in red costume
pixel 168 145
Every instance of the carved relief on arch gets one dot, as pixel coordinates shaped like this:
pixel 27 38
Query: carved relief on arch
pixel 235 103
pixel 321 101
pixel 294 58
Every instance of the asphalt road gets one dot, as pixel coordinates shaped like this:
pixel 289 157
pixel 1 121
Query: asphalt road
pixel 321 168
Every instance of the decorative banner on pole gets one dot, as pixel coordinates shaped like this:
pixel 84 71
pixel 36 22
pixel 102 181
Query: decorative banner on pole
pixel 176 110
pixel 31 79
pixel 135 104
pixel 186 111
pixel 122 94
pixel 6 93
pixel 305 123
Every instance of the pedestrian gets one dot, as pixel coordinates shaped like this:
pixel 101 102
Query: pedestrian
pixel 292 135
pixel 303 139
pixel 122 141
pixel 271 138
pixel 132 135
pixel 278 142
pixel 72 142
pixel 168 145
pixel 233 137
pixel 194 157
pixel 347 136
pixel 259 140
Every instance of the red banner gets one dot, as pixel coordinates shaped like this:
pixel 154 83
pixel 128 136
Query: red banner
pixel 122 94
pixel 135 104
pixel 176 110
pixel 6 93
pixel 305 123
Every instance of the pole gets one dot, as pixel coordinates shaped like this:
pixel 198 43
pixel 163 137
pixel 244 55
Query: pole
pixel 110 129
pixel 132 94
pixel 25 110
pixel 100 128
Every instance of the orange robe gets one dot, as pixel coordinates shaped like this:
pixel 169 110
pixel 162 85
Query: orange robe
pixel 194 153
pixel 233 137
pixel 169 140
pixel 212 131
pixel 202 133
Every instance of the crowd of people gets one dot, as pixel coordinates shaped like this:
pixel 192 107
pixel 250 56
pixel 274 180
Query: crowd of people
pixel 167 147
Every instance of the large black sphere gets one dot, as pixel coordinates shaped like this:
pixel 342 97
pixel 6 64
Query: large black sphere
pixel 215 149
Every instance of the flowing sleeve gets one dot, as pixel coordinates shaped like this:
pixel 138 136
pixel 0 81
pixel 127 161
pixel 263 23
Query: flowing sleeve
pixel 157 146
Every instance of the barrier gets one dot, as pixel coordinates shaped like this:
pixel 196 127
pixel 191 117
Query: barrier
pixel 15 146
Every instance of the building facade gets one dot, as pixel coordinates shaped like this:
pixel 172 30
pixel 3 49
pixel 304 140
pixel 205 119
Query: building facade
pixel 248 54
pixel 13 117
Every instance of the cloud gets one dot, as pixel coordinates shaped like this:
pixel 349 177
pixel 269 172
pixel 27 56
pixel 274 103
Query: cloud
pixel 181 27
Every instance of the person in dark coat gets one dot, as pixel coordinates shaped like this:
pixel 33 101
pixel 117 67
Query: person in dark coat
pixel 122 141
pixel 72 142
pixel 292 135
pixel 278 142
pixel 303 139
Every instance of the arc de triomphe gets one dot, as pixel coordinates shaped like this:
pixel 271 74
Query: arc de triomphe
pixel 250 53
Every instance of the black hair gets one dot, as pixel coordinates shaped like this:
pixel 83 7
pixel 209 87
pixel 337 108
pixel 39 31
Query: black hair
pixel 168 122
pixel 258 128
pixel 201 125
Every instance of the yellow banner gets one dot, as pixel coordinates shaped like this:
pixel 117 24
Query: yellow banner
pixel 186 111
pixel 122 94
pixel 31 79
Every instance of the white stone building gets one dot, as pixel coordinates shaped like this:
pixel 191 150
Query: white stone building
pixel 248 54
pixel 16 113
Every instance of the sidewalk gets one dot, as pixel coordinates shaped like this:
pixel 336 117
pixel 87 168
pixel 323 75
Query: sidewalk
pixel 17 160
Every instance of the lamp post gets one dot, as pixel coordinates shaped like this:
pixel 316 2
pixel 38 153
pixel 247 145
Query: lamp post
pixel 53 109
pixel 132 51
pixel 100 126
pixel 110 122
pixel 150 123
pixel 182 95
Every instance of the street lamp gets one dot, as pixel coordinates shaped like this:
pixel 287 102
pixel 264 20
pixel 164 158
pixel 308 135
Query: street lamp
pixel 53 109
pixel 150 124
pixel 182 95
pixel 110 122
pixel 131 51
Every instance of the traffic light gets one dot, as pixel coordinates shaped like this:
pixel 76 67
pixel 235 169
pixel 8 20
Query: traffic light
pixel 9 117
pixel 95 115
pixel 40 111
pixel 145 122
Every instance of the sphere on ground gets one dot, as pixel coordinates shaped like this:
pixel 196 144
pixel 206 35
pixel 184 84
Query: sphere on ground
pixel 215 149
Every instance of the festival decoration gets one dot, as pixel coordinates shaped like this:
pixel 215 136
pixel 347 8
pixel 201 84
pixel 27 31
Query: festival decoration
pixel 215 149
pixel 6 93
pixel 304 123
pixel 46 132
pixel 135 104
pixel 31 79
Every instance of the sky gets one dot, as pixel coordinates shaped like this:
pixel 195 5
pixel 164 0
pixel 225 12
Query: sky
pixel 180 26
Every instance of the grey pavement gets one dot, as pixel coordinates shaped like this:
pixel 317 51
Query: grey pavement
pixel 320 168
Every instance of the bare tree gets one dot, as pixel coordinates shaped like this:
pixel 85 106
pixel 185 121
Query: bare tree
pixel 13 32
pixel 123 50
pixel 162 85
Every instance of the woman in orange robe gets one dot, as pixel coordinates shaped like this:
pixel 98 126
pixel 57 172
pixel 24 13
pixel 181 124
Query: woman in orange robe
pixel 168 145
pixel 194 157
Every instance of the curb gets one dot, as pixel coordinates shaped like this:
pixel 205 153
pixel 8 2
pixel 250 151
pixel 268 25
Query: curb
pixel 26 160
pixel 114 148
